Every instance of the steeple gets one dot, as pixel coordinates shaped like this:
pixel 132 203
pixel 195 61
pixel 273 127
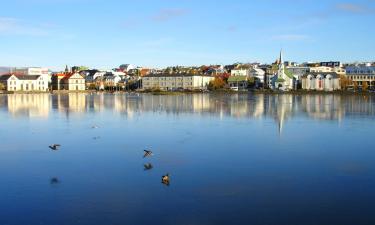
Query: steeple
pixel 281 60
pixel 66 69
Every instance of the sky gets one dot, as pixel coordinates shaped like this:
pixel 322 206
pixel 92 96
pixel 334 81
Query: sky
pixel 156 33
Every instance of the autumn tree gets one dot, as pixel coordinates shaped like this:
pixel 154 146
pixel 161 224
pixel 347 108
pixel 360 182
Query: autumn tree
pixel 355 85
pixel 2 87
pixel 344 82
pixel 217 83
pixel 364 85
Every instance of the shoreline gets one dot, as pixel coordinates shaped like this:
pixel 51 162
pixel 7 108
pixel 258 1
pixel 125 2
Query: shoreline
pixel 226 92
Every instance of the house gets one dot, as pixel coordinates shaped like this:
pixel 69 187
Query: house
pixel 171 82
pixel 321 81
pixel 26 83
pixel 68 81
pixel 258 73
pixel 238 83
pixel 240 72
pixel 111 79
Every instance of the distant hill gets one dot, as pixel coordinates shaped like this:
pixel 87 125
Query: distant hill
pixel 4 70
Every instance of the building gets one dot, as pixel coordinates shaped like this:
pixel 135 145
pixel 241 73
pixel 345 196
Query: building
pixel 359 75
pixel 238 83
pixel 240 72
pixel 331 64
pixel 283 79
pixel 321 81
pixel 327 69
pixel 258 73
pixel 68 81
pixel 29 83
pixel 171 82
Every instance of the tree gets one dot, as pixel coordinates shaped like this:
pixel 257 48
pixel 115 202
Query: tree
pixel 344 82
pixel 2 87
pixel 216 84
pixel 355 85
pixel 364 85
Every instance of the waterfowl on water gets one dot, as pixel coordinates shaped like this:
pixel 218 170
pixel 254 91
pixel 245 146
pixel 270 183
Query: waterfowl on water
pixel 165 179
pixel 54 180
pixel 55 147
pixel 147 153
pixel 148 166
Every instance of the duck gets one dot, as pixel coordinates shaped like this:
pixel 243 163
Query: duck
pixel 148 166
pixel 54 180
pixel 148 153
pixel 55 147
pixel 165 179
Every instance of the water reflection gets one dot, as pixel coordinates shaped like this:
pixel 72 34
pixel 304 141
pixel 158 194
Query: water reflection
pixel 278 107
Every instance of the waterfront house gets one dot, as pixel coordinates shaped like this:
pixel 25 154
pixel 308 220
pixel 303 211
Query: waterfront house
pixel 25 83
pixel 171 82
pixel 321 81
pixel 238 83
pixel 68 81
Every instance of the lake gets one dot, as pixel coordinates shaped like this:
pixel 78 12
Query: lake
pixel 232 159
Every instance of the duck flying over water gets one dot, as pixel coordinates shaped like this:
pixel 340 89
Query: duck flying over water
pixel 148 166
pixel 148 153
pixel 165 179
pixel 55 147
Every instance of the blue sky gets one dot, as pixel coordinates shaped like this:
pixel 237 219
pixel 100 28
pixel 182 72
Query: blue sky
pixel 157 33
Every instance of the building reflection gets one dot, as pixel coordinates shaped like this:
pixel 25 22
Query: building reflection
pixel 280 108
pixel 27 105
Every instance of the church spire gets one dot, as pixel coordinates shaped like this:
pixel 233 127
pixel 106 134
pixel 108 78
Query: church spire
pixel 281 60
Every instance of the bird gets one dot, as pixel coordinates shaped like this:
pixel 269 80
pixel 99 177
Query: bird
pixel 54 180
pixel 95 127
pixel 55 147
pixel 148 153
pixel 165 179
pixel 96 138
pixel 148 166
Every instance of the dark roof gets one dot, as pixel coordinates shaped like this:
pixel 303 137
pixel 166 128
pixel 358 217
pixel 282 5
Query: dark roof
pixel 28 77
pixel 176 75
pixel 20 77
pixel 5 77
pixel 324 74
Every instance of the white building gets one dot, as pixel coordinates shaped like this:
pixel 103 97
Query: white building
pixel 170 82
pixel 321 81
pixel 240 72
pixel 257 73
pixel 30 83
pixel 327 69
pixel 284 80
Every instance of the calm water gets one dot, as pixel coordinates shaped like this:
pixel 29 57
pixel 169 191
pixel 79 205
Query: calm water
pixel 238 159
